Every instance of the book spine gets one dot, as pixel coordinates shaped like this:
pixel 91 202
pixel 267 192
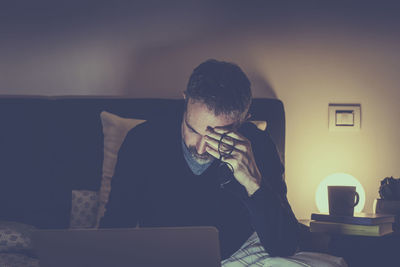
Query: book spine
pixel 346 232
pixel 351 220
pixel 346 229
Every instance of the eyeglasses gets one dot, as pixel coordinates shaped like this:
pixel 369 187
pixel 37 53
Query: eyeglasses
pixel 225 169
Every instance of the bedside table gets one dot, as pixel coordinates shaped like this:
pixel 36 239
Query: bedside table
pixel 367 250
pixel 357 250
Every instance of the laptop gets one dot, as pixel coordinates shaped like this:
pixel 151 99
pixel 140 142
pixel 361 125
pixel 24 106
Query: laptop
pixel 142 247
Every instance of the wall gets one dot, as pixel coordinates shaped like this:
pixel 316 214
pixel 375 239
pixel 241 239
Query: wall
pixel 306 54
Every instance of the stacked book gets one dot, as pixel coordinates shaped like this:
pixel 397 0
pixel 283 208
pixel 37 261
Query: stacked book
pixel 365 224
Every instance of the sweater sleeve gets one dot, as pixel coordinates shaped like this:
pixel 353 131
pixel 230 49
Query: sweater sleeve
pixel 123 209
pixel 269 209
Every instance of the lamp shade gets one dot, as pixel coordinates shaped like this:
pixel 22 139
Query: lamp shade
pixel 343 179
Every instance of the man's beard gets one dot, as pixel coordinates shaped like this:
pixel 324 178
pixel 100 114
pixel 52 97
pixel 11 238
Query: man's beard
pixel 200 158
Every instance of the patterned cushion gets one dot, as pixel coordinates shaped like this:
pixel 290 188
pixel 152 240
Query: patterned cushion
pixel 15 237
pixel 115 129
pixel 84 209
pixel 17 259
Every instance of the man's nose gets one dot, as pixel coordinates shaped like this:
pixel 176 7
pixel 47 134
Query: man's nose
pixel 201 146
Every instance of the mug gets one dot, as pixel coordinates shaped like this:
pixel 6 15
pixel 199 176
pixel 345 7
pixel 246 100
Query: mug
pixel 342 200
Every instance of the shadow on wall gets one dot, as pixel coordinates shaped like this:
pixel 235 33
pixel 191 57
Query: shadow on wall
pixel 163 70
pixel 260 85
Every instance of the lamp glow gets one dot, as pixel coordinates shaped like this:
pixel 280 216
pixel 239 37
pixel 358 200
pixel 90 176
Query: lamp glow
pixel 321 196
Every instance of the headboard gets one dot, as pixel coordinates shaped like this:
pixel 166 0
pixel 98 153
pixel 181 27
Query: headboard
pixel 51 145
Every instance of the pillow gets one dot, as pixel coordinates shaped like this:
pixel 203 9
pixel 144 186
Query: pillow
pixel 261 125
pixel 18 259
pixel 15 237
pixel 115 129
pixel 84 209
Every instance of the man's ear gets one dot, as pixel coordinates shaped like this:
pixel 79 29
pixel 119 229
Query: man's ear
pixel 184 95
pixel 248 116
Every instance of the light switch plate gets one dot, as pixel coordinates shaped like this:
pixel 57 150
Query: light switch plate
pixel 344 117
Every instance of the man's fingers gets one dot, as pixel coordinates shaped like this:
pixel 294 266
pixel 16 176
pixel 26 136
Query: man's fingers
pixel 225 144
pixel 230 138
pixel 235 135
pixel 213 152
pixel 231 163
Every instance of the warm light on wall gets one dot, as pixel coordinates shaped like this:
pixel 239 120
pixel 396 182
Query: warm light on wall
pixel 321 196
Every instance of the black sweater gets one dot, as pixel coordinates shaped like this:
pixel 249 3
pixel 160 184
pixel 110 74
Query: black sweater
pixel 154 186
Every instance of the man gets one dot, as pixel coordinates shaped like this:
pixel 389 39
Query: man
pixel 206 167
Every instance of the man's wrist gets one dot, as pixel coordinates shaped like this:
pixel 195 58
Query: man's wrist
pixel 252 186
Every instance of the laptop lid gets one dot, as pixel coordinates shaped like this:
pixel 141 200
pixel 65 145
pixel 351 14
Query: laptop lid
pixel 143 247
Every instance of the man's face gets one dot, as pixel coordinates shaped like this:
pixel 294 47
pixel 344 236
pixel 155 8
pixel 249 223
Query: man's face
pixel 196 119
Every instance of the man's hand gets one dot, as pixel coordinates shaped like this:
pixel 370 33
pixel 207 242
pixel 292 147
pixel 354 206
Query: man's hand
pixel 235 149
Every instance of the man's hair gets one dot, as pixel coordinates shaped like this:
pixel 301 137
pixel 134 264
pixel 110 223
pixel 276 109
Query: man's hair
pixel 222 86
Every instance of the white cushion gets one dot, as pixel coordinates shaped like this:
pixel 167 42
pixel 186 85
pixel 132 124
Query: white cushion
pixel 115 129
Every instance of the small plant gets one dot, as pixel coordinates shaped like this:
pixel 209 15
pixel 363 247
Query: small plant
pixel 390 188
